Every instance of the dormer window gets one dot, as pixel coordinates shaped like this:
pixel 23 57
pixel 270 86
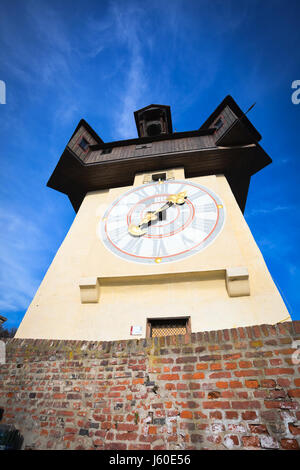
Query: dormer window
pixel 218 124
pixel 106 151
pixel 84 144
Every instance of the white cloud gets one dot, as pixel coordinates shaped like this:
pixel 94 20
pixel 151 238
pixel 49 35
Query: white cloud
pixel 270 210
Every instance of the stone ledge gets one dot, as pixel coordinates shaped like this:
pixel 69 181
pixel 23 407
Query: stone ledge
pixel 252 334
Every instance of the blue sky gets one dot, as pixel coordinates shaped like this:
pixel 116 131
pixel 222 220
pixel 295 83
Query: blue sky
pixel 101 60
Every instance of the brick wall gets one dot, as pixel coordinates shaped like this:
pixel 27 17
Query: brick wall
pixel 227 389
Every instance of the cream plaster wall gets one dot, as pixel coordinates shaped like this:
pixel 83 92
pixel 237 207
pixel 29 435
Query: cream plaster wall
pixel 130 293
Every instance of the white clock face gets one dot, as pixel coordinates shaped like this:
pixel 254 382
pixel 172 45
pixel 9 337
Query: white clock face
pixel 162 222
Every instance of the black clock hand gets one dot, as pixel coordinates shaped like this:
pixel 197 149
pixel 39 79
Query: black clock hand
pixel 137 230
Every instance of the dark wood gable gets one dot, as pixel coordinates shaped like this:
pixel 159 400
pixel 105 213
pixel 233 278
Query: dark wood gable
pixel 227 143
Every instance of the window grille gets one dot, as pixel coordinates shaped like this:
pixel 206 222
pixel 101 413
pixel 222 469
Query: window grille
pixel 168 327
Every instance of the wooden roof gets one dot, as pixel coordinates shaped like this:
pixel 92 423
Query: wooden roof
pixel 232 150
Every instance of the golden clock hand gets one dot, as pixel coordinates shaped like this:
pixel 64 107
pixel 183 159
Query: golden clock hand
pixel 178 198
pixel 137 231
pixel 173 199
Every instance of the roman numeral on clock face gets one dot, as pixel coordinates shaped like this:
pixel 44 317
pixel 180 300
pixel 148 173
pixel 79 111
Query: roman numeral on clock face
pixel 133 245
pixel 159 248
pixel 118 233
pixel 210 207
pixel 205 225
pixel 117 218
pixel 197 195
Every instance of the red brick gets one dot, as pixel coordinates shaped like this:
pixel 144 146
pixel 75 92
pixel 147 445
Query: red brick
pixel 186 414
pixel 231 414
pixel 152 430
pixel 127 427
pixel 215 415
pixel 245 405
pixel 233 438
pixel 137 381
pixel 297 382
pixel 235 384
pixel 250 441
pixel 220 375
pixel 139 447
pixel 216 404
pixel 245 364
pixel 230 365
pixel 69 437
pixel 184 359
pixel 201 366
pixel 248 373
pixel 283 382
pixel 196 376
pixel 280 404
pixel 258 428
pixel 275 362
pixel 268 383
pixel 65 413
pixel 294 393
pixel 295 430
pixel 232 357
pixel 129 436
pixel 249 415
pixel 279 370
pixel 168 377
pixel 289 444
pixel 251 383
pixel 199 415
pixel 222 384
pixel 170 386
pixel 115 446
pixel 59 396
pixel 260 363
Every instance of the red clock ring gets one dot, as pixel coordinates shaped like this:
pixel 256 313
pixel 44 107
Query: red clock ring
pixel 174 232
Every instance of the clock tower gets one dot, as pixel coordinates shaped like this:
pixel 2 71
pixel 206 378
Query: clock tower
pixel 159 245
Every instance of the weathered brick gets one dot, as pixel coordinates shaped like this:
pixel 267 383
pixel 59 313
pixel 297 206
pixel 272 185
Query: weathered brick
pixel 289 444
pixel 220 375
pixel 294 392
pixel 128 436
pixel 182 360
pixel 168 377
pixel 245 405
pixel 216 404
pixel 202 382
pixel 279 370
pixel 231 415
pixel 258 428
pixel 249 415
pixel 294 429
pixel 250 441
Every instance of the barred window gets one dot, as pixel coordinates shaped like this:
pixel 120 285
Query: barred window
pixel 168 326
